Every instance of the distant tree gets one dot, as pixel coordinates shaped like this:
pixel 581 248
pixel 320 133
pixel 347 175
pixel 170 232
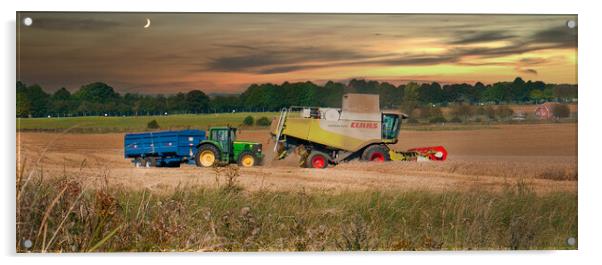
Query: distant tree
pixel 410 97
pixel 61 94
pixel 497 93
pixel 32 101
pixel 197 101
pixel 561 111
pixel 536 95
pixel 548 92
pixel 97 92
pixel 430 93
pixel 248 120
pixel 23 104
pixel 519 90
pixel 565 92
pixel 177 103
pixel 331 94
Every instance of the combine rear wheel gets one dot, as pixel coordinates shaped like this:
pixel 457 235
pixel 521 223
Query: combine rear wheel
pixel 377 153
pixel 317 159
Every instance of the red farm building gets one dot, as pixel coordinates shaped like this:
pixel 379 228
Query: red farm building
pixel 545 111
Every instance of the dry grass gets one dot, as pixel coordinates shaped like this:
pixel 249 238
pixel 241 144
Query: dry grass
pixel 63 214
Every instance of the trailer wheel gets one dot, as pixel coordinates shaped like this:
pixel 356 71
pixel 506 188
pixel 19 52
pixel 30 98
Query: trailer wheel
pixel 150 162
pixel 206 156
pixel 317 159
pixel 247 159
pixel 377 153
pixel 138 162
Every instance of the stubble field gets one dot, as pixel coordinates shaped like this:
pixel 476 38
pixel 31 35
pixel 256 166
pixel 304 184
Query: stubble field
pixel 502 187
pixel 544 155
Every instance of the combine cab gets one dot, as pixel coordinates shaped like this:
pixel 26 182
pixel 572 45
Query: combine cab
pixel 358 130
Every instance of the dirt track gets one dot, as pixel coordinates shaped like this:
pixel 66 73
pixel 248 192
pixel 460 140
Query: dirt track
pixel 486 159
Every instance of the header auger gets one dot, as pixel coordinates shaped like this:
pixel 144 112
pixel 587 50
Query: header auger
pixel 357 130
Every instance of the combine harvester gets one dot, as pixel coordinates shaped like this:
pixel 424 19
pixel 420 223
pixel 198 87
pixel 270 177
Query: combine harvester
pixel 358 130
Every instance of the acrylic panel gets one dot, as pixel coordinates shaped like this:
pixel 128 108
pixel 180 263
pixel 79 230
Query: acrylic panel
pixel 154 132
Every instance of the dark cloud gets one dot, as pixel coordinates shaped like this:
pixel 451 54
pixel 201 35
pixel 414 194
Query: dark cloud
pixel 561 36
pixel 271 60
pixel 528 71
pixel 479 37
pixel 533 61
pixel 280 59
pixel 73 24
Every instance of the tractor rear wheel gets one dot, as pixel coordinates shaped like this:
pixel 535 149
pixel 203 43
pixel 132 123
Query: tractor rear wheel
pixel 247 159
pixel 207 156
pixel 377 153
pixel 317 159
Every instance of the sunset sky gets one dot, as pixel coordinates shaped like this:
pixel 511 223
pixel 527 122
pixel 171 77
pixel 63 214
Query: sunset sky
pixel 225 53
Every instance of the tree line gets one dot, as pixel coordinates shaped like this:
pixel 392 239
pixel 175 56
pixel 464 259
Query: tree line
pixel 101 99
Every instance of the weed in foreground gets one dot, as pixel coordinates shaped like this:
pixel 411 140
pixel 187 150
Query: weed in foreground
pixel 60 214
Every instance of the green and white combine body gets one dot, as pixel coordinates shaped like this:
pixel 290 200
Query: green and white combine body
pixel 322 136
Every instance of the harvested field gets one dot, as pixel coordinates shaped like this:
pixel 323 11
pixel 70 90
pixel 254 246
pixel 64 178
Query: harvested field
pixel 542 155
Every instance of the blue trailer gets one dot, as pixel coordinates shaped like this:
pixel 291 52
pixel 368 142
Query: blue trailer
pixel 162 149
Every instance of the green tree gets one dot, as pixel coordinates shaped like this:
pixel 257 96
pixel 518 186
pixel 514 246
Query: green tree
pixel 97 92
pixel 410 97
pixel 32 100
pixel 197 101
pixel 536 95
pixel 430 93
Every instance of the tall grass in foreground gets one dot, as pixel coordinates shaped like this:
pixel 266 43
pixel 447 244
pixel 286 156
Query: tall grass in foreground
pixel 60 214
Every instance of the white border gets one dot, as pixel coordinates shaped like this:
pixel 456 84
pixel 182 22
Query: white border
pixel 589 143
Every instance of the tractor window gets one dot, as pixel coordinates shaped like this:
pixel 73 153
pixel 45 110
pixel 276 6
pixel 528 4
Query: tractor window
pixel 390 126
pixel 232 135
pixel 219 135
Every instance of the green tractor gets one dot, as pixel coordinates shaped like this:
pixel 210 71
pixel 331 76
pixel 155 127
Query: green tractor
pixel 221 147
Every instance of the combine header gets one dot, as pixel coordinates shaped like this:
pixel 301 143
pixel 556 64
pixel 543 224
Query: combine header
pixel 358 130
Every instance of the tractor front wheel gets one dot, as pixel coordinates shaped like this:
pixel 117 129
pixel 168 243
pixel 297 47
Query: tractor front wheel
pixel 317 159
pixel 206 156
pixel 247 159
pixel 377 153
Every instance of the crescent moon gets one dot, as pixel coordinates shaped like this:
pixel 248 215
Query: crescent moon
pixel 148 22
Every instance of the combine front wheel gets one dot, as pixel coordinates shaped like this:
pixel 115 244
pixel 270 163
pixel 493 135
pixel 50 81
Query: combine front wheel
pixel 317 159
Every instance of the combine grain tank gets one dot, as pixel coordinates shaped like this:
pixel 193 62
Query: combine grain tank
pixel 357 130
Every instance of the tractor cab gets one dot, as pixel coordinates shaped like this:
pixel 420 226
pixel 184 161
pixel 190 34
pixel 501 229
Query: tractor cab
pixel 224 136
pixel 221 147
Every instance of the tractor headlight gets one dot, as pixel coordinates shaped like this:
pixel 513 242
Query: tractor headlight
pixel 257 148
